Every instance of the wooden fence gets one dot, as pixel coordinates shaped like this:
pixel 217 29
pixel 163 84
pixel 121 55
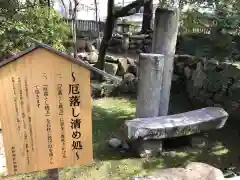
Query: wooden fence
pixel 88 25
pixel 91 26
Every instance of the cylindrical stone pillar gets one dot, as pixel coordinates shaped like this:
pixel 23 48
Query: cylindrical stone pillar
pixel 150 77
pixel 164 42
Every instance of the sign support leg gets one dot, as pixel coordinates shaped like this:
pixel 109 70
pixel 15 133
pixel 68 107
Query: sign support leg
pixel 53 174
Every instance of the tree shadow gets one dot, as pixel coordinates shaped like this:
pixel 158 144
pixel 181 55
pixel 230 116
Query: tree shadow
pixel 106 123
pixel 221 151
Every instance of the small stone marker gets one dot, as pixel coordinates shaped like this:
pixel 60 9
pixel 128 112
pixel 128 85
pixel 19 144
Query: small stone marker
pixel 176 125
pixel 45 105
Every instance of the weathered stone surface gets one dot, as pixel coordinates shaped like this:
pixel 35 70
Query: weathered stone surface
pixel 122 66
pixel 210 65
pixel 92 57
pixel 193 171
pixel 175 77
pixel 203 171
pixel 128 77
pixel 145 178
pixel 132 69
pixel 234 91
pixel 177 125
pixel 198 142
pixel 146 148
pixel 114 143
pixel 179 68
pixel 111 59
pixel 198 76
pixel 187 72
pixel 111 68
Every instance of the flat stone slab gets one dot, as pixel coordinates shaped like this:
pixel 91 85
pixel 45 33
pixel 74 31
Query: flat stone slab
pixel 177 125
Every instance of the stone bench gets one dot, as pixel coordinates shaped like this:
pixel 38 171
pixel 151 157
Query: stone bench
pixel 176 125
pixel 145 135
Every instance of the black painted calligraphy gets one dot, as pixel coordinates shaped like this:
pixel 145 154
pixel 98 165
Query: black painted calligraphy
pixel 23 116
pixel 45 94
pixel 15 104
pixel 74 102
pixel 61 113
pixel 29 114
pixel 14 161
pixel 37 93
pixel 50 141
pixel 48 122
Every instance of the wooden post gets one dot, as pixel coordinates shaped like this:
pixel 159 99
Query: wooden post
pixel 164 42
pixel 53 174
pixel 150 78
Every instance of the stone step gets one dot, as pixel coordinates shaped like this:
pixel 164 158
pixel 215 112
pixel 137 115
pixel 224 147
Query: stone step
pixel 176 125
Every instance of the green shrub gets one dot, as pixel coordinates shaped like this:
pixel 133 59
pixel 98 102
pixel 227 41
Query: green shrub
pixel 42 24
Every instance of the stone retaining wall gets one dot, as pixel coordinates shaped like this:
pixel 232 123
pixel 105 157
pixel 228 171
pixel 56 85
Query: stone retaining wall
pixel 210 82
pixel 207 82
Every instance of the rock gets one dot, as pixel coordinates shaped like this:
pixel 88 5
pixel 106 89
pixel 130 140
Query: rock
pixel 202 171
pixel 92 57
pixel 210 65
pixel 108 89
pixel 187 72
pixel 175 77
pixel 128 77
pixel 209 102
pixel 188 60
pixel 179 67
pixel 89 47
pixel 82 55
pixel 219 97
pixel 145 178
pixel 96 89
pixel 224 65
pixel 132 69
pixel 198 76
pixel 81 44
pixel 128 85
pixel 111 68
pixel 111 59
pixel 231 105
pixel 198 142
pixel 122 66
pixel 131 61
pixel 176 125
pixel 193 171
pixel 234 91
pixel 146 148
pixel 115 143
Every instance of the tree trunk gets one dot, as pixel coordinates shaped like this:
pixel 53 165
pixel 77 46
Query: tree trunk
pixel 127 10
pixel 147 17
pixel 150 78
pixel 96 17
pixel 74 28
pixel 164 42
pixel 108 30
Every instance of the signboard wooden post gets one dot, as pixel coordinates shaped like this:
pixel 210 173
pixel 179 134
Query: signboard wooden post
pixel 45 105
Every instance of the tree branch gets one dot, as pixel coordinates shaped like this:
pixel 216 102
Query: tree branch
pixel 130 9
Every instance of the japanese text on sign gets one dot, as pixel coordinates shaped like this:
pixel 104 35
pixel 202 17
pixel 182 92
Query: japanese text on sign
pixel 74 101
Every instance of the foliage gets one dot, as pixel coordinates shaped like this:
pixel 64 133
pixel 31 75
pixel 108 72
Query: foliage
pixel 220 17
pixel 41 23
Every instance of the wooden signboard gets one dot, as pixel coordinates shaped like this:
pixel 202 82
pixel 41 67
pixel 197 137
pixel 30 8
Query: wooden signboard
pixel 45 111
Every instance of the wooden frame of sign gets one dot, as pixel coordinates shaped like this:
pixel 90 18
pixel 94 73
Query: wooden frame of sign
pixel 45 105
